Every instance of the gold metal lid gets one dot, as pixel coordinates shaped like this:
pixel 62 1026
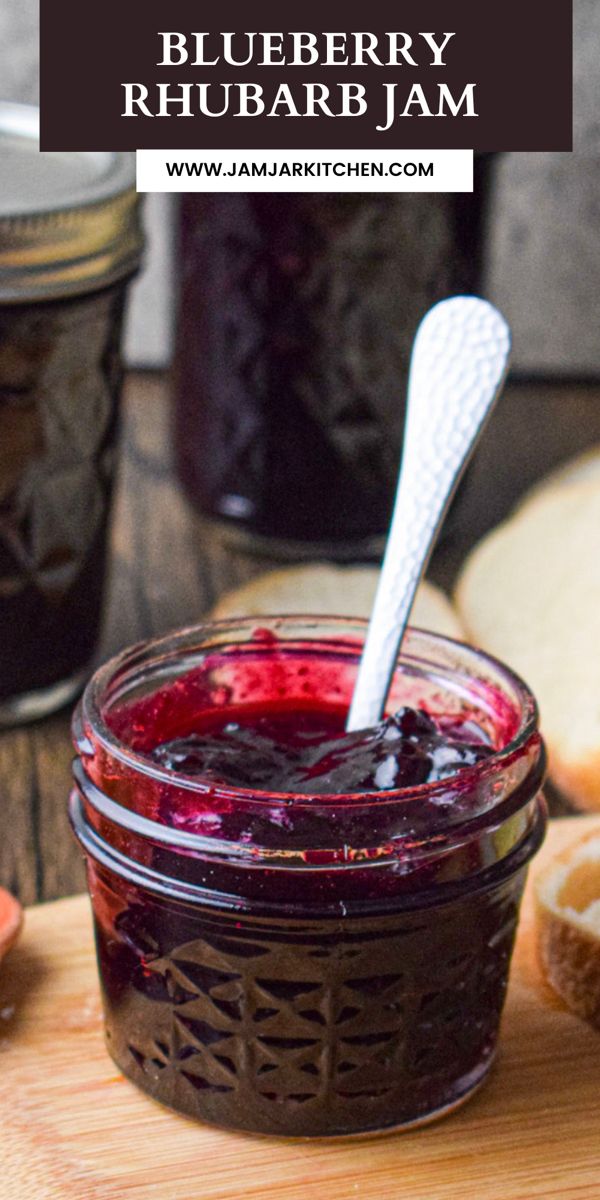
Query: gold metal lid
pixel 69 222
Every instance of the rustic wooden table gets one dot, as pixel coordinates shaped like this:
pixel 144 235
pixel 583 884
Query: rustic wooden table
pixel 73 1128
pixel 168 569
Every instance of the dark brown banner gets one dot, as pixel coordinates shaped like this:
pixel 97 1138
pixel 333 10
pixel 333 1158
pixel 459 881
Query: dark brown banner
pixel 429 74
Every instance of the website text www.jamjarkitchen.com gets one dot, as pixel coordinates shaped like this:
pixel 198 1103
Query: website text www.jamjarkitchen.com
pixel 295 170
pixel 449 170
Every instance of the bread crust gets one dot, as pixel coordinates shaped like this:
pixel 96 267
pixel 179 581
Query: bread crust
pixel 584 468
pixel 568 950
pixel 580 781
pixel 529 593
pixel 570 960
pixel 323 588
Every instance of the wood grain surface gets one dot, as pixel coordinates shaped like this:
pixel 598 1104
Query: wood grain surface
pixel 72 1128
pixel 169 567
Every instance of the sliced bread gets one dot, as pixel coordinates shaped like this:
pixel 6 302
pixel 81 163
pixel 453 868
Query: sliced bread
pixel 530 594
pixel 329 590
pixel 567 898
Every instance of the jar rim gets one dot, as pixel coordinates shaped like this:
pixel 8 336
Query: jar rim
pixel 162 649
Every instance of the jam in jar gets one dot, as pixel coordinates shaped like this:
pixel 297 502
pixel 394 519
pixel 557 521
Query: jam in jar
pixel 296 319
pixel 302 932
pixel 70 242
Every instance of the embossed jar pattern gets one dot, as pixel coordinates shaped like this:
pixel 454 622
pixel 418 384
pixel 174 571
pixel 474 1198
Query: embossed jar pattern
pixel 70 244
pixel 297 316
pixel 292 985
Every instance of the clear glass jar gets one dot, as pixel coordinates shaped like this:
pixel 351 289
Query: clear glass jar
pixel 302 966
pixel 296 319
pixel 70 242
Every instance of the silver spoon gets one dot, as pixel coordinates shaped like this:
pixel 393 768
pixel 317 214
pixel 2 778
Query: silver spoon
pixel 459 363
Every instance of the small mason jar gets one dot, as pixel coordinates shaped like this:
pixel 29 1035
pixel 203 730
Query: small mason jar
pixel 70 242
pixel 316 966
pixel 296 320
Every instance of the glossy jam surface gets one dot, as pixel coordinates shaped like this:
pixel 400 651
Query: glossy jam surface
pixel 307 751
pixel 255 753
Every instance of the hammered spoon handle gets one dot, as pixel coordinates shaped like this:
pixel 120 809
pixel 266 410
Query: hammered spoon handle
pixel 458 365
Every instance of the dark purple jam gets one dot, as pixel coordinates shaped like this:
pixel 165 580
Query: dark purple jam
pixel 60 383
pixel 308 752
pixel 296 320
pixel 304 1025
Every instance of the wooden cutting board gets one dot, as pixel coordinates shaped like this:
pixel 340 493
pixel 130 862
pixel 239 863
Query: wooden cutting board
pixel 71 1128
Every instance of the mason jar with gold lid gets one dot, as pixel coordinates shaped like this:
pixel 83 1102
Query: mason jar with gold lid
pixel 70 243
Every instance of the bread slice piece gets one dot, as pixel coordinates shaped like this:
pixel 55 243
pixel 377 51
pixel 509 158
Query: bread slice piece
pixel 530 594
pixel 584 468
pixel 567 900
pixel 330 590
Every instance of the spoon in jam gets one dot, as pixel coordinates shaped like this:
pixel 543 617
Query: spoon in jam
pixel 458 366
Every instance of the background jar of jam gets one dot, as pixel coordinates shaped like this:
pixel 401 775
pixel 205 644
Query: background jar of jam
pixel 297 314
pixel 298 965
pixel 70 241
